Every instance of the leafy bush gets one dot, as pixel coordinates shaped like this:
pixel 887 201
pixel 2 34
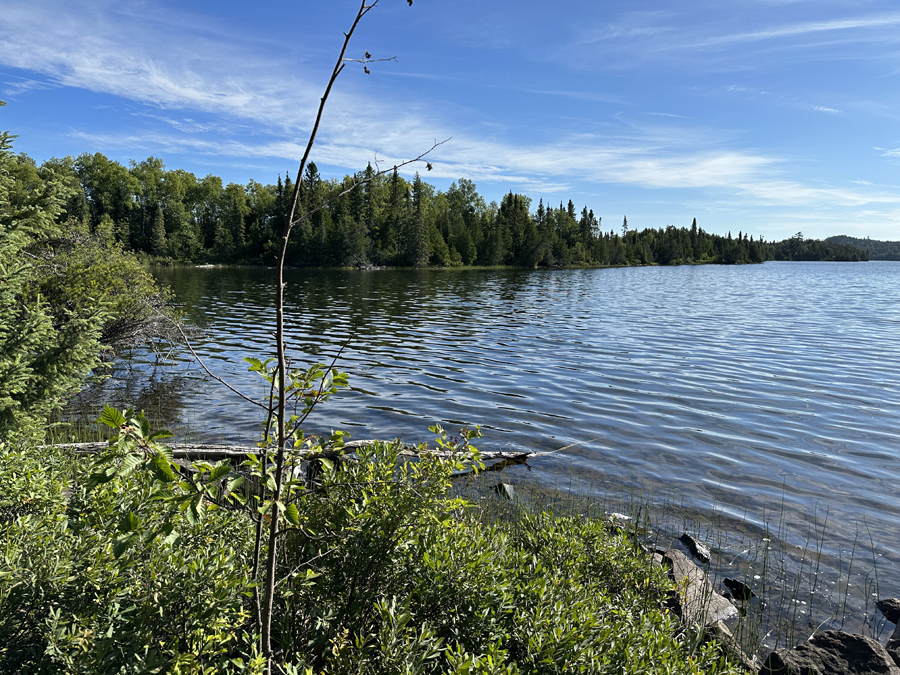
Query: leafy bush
pixel 380 570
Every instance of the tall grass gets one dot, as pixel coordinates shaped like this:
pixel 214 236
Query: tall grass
pixel 799 587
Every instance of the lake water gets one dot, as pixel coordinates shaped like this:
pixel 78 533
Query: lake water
pixel 764 400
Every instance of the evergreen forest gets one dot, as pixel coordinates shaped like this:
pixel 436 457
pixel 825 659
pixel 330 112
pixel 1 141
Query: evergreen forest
pixel 172 216
pixel 877 250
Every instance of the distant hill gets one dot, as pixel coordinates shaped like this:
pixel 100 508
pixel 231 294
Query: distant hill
pixel 878 250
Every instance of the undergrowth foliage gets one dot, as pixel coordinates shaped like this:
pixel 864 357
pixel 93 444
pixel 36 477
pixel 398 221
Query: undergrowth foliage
pixel 382 570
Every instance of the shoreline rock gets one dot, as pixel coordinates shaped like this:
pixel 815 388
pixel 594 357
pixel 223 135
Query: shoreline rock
pixel 832 652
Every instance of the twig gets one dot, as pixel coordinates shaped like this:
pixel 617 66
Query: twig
pixel 212 374
pixel 357 182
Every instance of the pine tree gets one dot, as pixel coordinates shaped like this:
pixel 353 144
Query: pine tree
pixel 158 233
pixel 418 242
pixel 43 357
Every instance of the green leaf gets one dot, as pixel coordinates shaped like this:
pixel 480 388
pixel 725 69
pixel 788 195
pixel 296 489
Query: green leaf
pixel 221 469
pixel 111 418
pixel 165 451
pixel 122 544
pixel 162 433
pixel 129 523
pixel 196 510
pixel 292 514
pixel 129 464
pixel 170 534
pixel 255 363
pixel 162 469
pixel 100 477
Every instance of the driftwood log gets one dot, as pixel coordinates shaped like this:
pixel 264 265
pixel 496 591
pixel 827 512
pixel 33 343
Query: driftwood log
pixel 215 453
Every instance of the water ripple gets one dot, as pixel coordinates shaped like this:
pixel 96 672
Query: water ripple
pixel 745 389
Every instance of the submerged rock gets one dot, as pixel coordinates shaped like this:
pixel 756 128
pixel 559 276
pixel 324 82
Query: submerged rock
pixel 832 653
pixel 739 589
pixel 505 490
pixel 699 550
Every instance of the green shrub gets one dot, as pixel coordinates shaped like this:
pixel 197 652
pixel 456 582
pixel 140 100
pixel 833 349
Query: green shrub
pixel 379 570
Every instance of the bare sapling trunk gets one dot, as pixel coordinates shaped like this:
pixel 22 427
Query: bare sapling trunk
pixel 281 381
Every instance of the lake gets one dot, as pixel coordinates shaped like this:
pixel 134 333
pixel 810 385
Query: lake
pixel 760 400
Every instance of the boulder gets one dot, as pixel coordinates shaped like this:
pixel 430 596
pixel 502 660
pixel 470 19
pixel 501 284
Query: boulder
pixel 890 607
pixel 699 550
pixel 893 645
pixel 696 601
pixel 832 652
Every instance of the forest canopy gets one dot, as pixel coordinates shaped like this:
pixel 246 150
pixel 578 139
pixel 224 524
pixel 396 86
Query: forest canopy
pixel 877 250
pixel 171 215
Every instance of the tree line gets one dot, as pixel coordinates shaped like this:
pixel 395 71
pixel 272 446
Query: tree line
pixel 877 250
pixel 171 215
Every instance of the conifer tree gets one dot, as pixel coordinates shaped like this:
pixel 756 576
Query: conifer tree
pixel 158 232
pixel 43 358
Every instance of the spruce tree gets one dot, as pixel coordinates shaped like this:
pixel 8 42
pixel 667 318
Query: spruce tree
pixel 158 233
pixel 43 358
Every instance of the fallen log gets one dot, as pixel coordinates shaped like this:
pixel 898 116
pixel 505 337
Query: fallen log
pixel 216 452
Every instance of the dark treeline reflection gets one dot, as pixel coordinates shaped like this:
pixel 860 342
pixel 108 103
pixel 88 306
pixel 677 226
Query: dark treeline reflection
pixel 172 215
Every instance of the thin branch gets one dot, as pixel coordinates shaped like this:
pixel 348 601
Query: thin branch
pixel 211 373
pixel 268 595
pixel 357 182
pixel 392 58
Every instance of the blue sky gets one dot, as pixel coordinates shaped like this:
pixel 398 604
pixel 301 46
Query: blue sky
pixel 767 116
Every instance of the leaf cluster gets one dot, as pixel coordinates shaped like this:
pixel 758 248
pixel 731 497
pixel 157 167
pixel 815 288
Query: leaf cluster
pixel 66 296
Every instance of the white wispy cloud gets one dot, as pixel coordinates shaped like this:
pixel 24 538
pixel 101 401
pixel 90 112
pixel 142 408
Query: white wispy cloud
pixel 205 92
pixel 548 168
pixel 93 48
pixel 889 153
pixel 20 85
pixel 889 20
pixel 655 37
pixel 825 109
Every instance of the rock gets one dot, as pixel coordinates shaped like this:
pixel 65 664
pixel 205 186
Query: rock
pixel 832 653
pixel 698 550
pixel 739 589
pixel 615 522
pixel 505 490
pixel 893 645
pixel 890 607
pixel 731 647
pixel 696 599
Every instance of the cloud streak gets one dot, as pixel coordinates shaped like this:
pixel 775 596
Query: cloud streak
pixel 213 96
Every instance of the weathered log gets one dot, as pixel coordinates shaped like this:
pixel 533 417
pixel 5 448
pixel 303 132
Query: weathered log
pixel 215 452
